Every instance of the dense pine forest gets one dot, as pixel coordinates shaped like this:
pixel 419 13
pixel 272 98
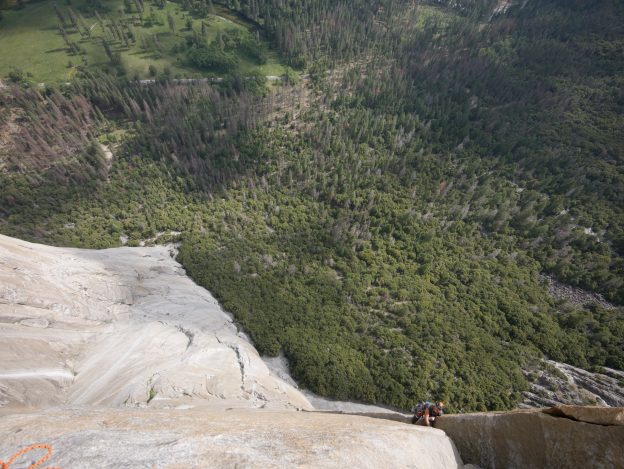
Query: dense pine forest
pixel 388 212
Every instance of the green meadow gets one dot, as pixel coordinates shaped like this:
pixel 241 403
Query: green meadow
pixel 32 44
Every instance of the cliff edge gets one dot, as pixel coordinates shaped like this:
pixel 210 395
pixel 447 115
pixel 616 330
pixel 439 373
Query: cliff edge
pixel 562 437
pixel 203 437
pixel 115 358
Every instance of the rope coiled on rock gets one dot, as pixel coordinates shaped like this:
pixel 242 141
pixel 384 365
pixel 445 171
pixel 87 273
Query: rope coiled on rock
pixel 11 460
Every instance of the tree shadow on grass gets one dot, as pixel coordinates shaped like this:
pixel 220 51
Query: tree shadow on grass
pixel 55 28
pixel 59 49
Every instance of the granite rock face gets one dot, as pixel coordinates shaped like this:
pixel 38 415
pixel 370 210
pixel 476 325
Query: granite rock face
pixel 202 437
pixel 556 383
pixel 116 359
pixel 597 415
pixel 562 437
pixel 121 327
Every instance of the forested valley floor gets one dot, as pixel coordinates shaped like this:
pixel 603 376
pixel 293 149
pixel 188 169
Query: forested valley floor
pixel 386 218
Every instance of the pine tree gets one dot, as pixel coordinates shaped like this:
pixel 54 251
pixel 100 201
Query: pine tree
pixel 59 15
pixel 107 49
pixel 72 17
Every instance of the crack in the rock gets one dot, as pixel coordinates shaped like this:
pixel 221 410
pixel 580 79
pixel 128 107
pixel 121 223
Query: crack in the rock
pixel 241 363
pixel 239 358
pixel 190 336
pixel 558 413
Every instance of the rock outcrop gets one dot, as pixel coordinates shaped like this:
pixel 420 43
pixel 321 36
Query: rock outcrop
pixel 558 383
pixel 116 359
pixel 203 437
pixel 562 437
pixel 596 415
pixel 121 327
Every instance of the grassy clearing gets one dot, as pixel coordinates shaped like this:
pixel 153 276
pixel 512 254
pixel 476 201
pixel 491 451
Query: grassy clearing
pixel 30 41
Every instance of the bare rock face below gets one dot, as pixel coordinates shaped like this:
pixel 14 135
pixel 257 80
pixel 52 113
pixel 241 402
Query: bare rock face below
pixel 561 437
pixel 203 437
pixel 559 383
pixel 121 327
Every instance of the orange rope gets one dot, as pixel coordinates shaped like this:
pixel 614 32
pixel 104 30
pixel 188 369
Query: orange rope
pixel 7 465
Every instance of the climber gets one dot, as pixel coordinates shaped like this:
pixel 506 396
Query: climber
pixel 425 413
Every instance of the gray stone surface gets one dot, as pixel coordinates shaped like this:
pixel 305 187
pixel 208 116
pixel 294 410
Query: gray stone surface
pixel 535 439
pixel 121 327
pixel 117 359
pixel 207 438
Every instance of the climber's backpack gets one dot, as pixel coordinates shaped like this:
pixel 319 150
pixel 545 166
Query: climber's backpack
pixel 419 410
